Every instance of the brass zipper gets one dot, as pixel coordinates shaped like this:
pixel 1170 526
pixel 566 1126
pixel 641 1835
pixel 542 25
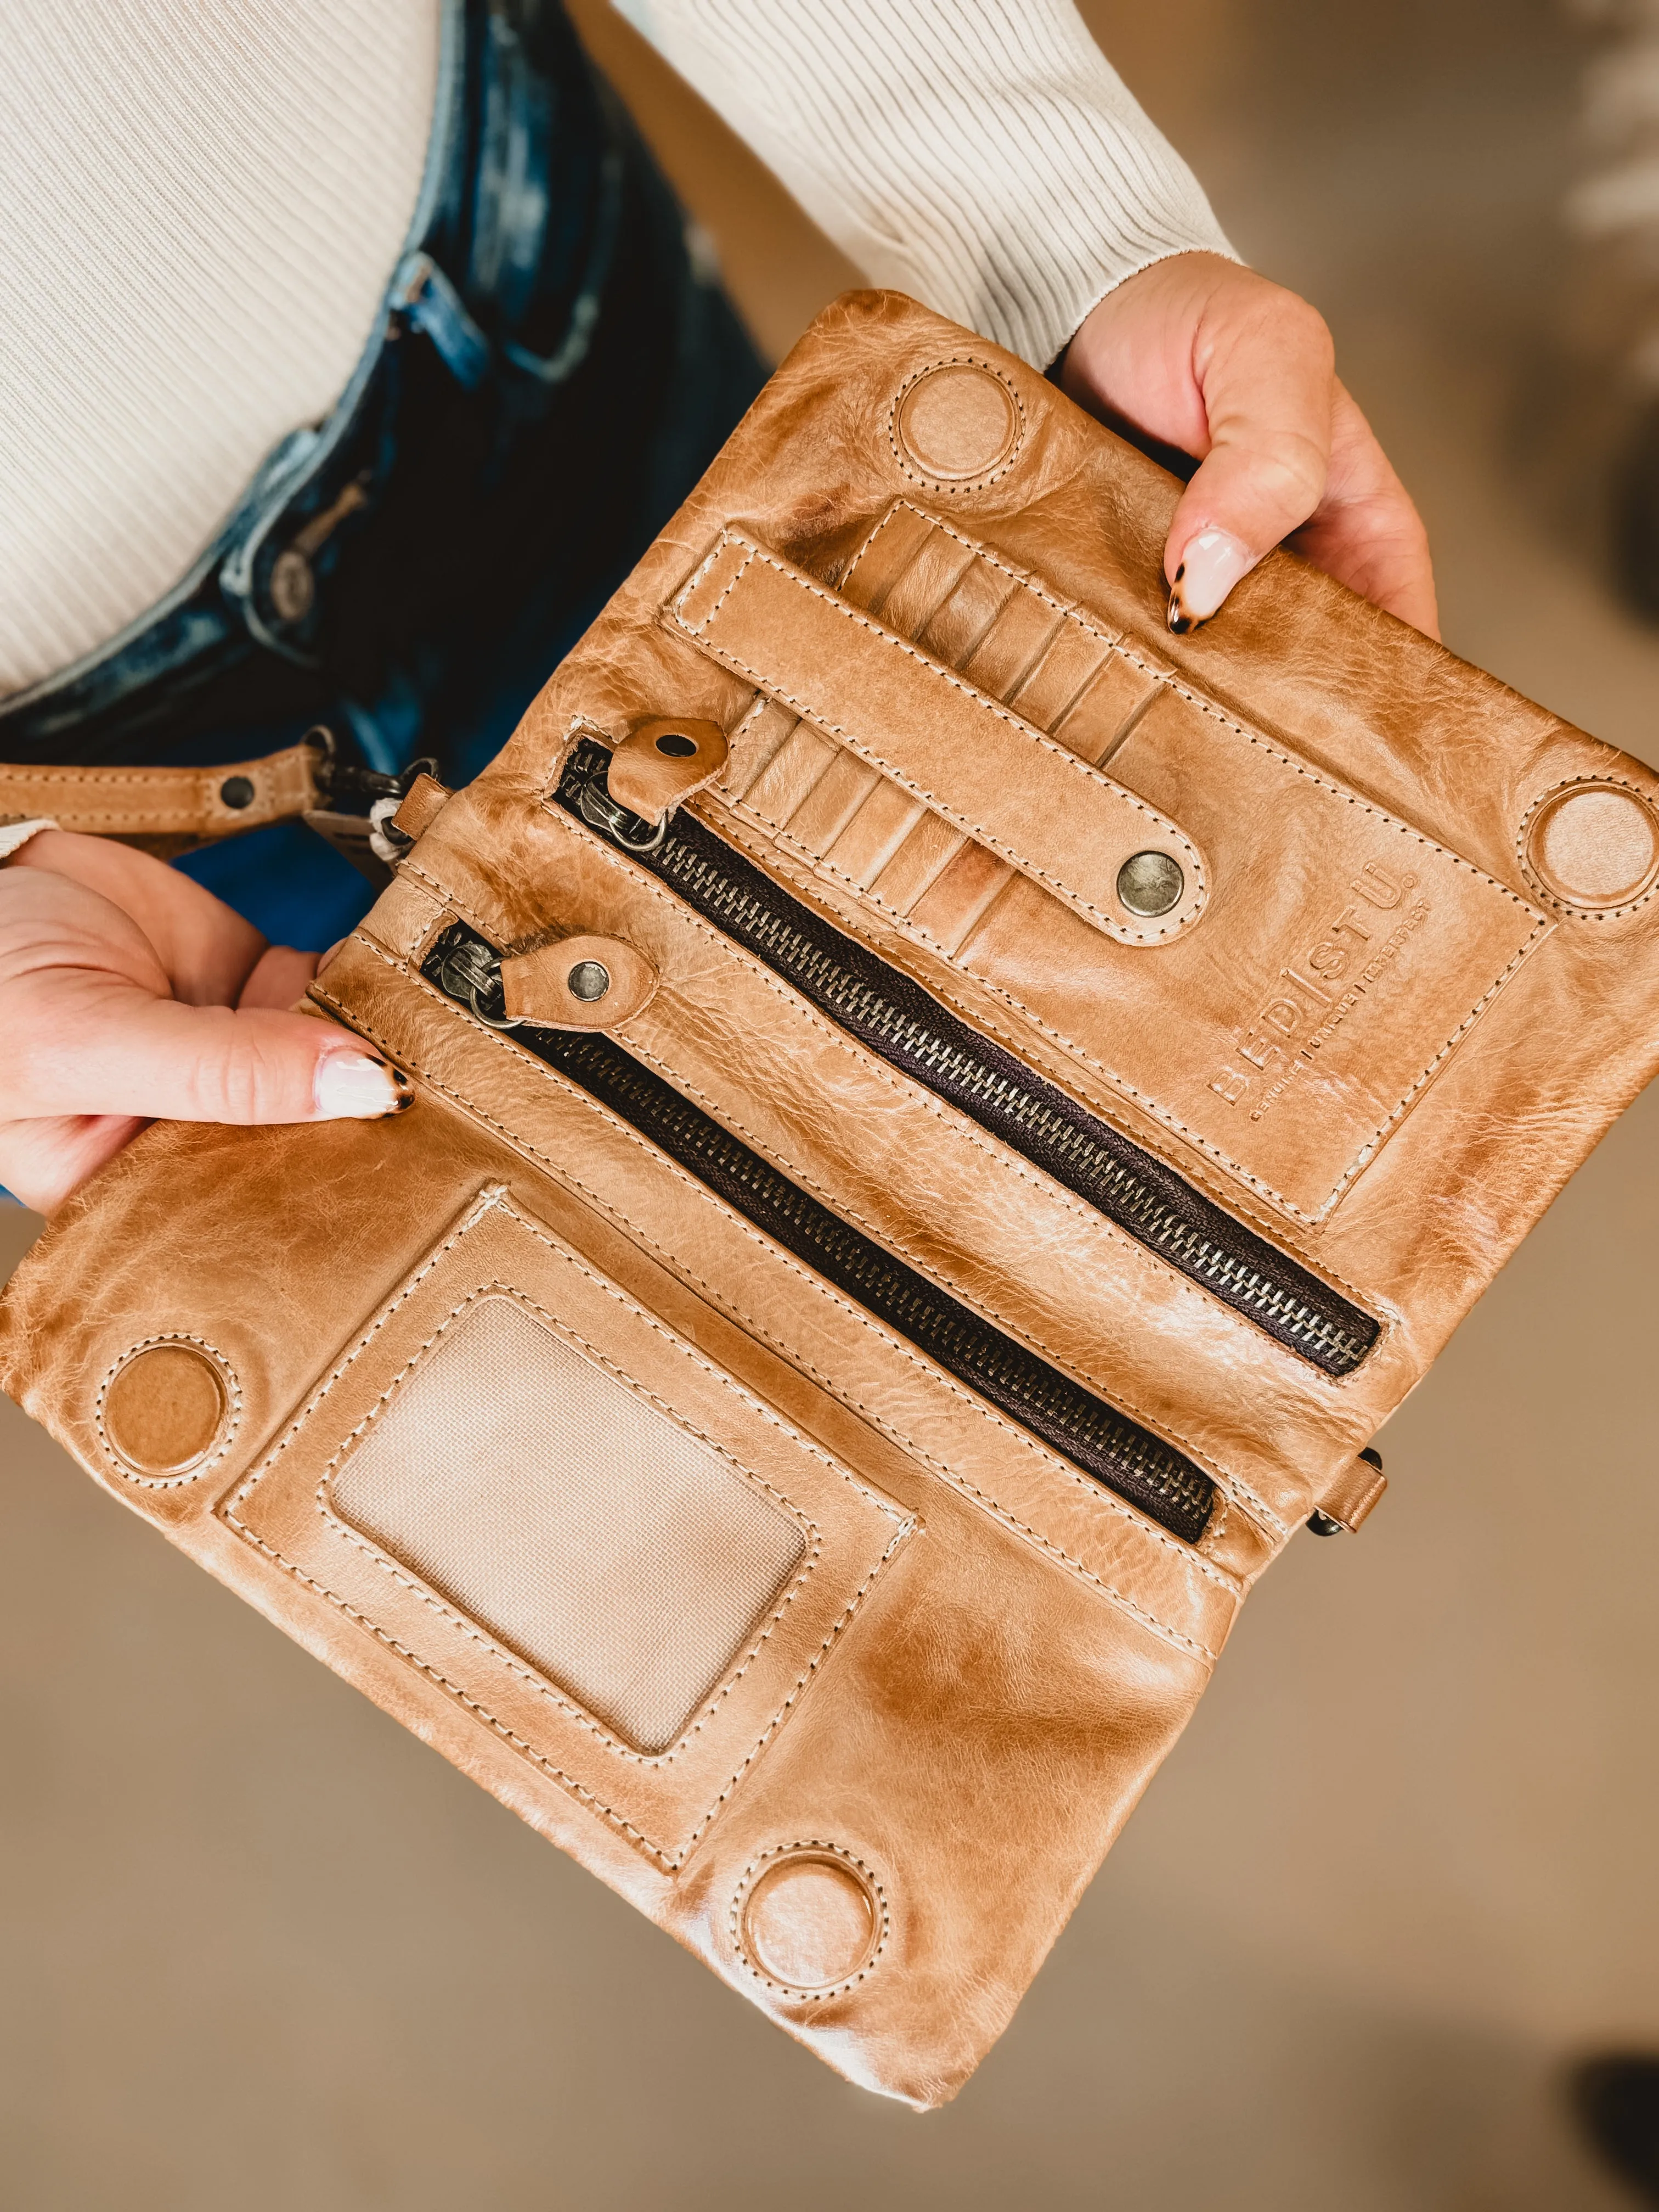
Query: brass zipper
pixel 903 1025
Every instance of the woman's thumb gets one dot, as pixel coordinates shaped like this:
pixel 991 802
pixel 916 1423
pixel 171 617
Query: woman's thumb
pixel 1268 387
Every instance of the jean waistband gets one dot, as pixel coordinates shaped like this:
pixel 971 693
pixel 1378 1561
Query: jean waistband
pixel 504 273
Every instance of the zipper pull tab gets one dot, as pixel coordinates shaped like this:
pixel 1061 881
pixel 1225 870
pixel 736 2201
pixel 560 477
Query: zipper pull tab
pixel 465 968
pixel 1350 1497
pixel 414 814
pixel 658 766
pixel 573 983
pixel 579 983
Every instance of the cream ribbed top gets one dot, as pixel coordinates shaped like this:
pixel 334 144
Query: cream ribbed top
pixel 203 206
pixel 981 155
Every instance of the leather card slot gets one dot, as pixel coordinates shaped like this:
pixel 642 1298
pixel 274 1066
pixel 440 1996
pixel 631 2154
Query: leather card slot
pixel 789 777
pixel 965 615
pixel 831 804
pixel 875 832
pixel 1102 714
pixel 606 1549
pixel 753 743
pixel 960 894
pixel 928 581
pixel 1073 659
pixel 924 854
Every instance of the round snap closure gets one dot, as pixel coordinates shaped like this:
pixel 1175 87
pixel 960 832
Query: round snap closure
pixel 956 420
pixel 165 1408
pixel 1593 845
pixel 237 791
pixel 293 585
pixel 1149 884
pixel 588 980
pixel 810 1921
pixel 677 744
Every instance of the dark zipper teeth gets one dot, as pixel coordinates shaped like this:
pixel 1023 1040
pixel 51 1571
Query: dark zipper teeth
pixel 1116 1451
pixel 899 1022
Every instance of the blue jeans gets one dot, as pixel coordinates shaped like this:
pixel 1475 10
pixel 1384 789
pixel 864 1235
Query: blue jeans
pixel 550 375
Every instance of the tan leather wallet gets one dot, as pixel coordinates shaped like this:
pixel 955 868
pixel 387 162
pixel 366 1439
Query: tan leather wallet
pixel 947 1118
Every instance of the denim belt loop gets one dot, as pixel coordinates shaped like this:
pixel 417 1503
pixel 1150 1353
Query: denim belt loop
pixel 345 588
pixel 183 630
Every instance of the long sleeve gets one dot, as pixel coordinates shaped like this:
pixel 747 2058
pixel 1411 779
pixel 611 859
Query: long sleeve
pixel 980 155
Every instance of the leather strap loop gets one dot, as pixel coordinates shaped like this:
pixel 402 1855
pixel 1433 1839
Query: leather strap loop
pixel 166 810
pixel 578 983
pixel 660 764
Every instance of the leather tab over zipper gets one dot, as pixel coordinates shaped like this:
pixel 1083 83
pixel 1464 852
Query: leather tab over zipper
pixel 997 778
pixel 662 763
pixel 419 806
pixel 1355 1493
pixel 578 983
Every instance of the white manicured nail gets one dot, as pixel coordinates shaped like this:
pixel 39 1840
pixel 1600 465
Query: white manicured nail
pixel 1212 564
pixel 352 1087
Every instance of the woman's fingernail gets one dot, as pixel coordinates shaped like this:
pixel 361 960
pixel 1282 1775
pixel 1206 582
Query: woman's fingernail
pixel 352 1087
pixel 1212 564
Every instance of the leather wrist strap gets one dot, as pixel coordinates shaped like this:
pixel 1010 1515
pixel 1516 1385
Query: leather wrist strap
pixel 166 810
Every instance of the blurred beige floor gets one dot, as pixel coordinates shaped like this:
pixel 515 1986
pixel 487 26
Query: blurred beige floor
pixel 260 1950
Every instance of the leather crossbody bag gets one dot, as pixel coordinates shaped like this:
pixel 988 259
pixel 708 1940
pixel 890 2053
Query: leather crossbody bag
pixel 947 1118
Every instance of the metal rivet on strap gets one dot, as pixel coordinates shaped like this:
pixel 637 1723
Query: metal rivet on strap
pixel 293 585
pixel 1149 884
pixel 588 980
pixel 236 791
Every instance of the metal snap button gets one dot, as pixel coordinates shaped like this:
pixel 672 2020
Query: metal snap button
pixel 1594 844
pixel 1149 884
pixel 165 1408
pixel 293 587
pixel 956 420
pixel 587 981
pixel 810 1920
pixel 236 791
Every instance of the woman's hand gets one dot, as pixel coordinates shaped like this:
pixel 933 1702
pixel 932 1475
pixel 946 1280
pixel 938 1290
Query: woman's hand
pixel 1215 360
pixel 127 991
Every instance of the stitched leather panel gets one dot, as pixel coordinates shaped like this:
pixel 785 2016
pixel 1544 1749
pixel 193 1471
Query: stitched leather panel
pixel 1006 1650
pixel 635 1596
pixel 1303 1051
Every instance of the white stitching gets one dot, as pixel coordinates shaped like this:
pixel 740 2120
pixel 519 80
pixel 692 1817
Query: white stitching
pixel 979 1018
pixel 544 1687
pixel 952 1117
pixel 1032 583
pixel 1099 1497
pixel 1150 1105
pixel 212 1456
pixel 683 1084
pixel 955 483
pixel 808 1847
pixel 493 1197
pixel 1173 683
pixel 1564 906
